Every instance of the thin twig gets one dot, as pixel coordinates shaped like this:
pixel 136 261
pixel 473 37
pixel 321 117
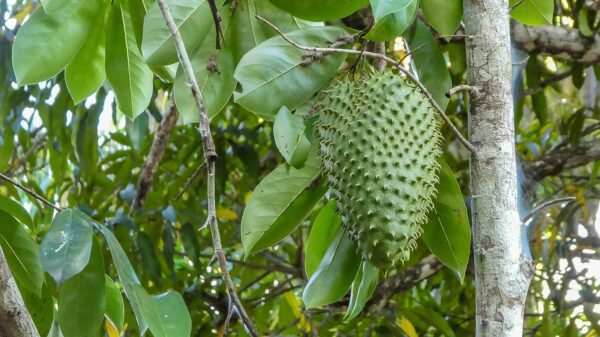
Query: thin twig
pixel 396 65
pixel 544 205
pixel 410 52
pixel 34 148
pixel 554 78
pixel 463 87
pixel 30 192
pixel 217 19
pixel 211 157
pixel 190 179
pixel 511 8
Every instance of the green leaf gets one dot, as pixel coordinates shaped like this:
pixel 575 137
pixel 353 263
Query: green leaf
pixel 127 276
pixel 55 330
pixel 443 15
pixel 322 233
pixel 275 73
pixel 81 300
pixel 320 10
pixel 433 318
pixel 149 260
pixel 214 73
pixel 392 17
pixel 115 308
pixel 248 31
pixel 67 245
pixel 292 143
pixel 16 210
pixel 532 12
pixel 137 129
pixel 538 99
pixel 53 6
pixel 189 239
pixel 21 254
pixel 194 21
pixel 166 314
pixel 41 308
pixel 447 232
pixel 335 274
pixel 279 203
pixel 46 43
pixel 362 289
pixel 85 73
pixel 430 62
pixel 129 76
pixel 86 137
pixel 576 126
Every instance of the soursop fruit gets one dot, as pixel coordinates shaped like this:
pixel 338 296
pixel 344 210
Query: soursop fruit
pixel 379 141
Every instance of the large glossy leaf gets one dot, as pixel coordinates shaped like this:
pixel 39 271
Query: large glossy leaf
pixel 532 12
pixel 292 143
pixel 81 300
pixel 166 314
pixel 443 15
pixel 214 73
pixel 129 76
pixel 85 73
pixel 67 245
pixel 447 232
pixel 431 65
pixel 194 21
pixel 362 289
pixel 115 308
pixel 46 43
pixel 16 210
pixel 275 73
pixel 279 203
pixel 392 17
pixel 127 276
pixel 322 233
pixel 335 274
pixel 21 254
pixel 320 10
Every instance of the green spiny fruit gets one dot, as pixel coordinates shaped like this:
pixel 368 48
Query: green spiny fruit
pixel 379 141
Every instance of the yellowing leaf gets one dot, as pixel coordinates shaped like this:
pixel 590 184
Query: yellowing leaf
pixel 294 304
pixel 227 214
pixel 408 328
pixel 111 330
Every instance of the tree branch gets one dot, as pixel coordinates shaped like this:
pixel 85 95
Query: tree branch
pixel 544 205
pixel 30 192
pixel 407 278
pixel 396 65
pixel 159 146
pixel 565 158
pixel 210 156
pixel 15 320
pixel 557 41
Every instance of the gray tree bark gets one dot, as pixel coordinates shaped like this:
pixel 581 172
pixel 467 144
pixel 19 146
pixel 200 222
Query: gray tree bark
pixel 502 271
pixel 15 320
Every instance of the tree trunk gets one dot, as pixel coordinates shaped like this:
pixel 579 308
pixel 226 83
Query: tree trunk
pixel 502 271
pixel 15 320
